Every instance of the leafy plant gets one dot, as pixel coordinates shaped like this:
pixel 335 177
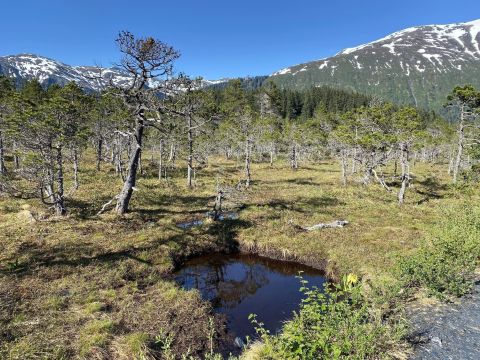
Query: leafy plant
pixel 446 262
pixel 336 322
pixel 164 342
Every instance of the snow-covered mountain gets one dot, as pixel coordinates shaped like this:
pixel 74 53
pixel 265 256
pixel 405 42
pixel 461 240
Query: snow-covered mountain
pixel 25 67
pixel 418 65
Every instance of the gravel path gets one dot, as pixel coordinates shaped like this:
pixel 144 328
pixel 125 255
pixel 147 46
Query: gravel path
pixel 449 332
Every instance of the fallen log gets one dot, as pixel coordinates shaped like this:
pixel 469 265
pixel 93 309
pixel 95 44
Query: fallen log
pixel 333 224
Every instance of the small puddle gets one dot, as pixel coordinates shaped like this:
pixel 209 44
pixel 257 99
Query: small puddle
pixel 239 285
pixel 198 222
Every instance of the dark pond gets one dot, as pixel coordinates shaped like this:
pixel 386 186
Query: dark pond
pixel 239 285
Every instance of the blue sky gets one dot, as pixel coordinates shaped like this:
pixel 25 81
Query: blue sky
pixel 216 38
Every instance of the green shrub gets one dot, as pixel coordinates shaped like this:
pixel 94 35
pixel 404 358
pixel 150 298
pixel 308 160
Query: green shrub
pixel 446 261
pixel 334 323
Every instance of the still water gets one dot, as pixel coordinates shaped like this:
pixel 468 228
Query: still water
pixel 239 285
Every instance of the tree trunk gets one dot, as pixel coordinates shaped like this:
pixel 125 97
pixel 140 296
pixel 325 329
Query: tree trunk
pixel 140 165
pixel 117 156
pixel 380 180
pixel 3 169
pixel 460 145
pixel 272 154
pixel 112 152
pixel 217 207
pixel 354 162
pixel 75 169
pixel 344 168
pixel 354 155
pixel 190 152
pixel 160 160
pixel 173 153
pixel 293 157
pixel 59 201
pixel 16 158
pixel 405 174
pixel 99 152
pixel 130 181
pixel 248 175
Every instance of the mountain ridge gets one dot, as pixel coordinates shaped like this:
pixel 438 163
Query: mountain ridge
pixel 27 66
pixel 418 65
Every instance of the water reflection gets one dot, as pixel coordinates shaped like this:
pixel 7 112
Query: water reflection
pixel 238 285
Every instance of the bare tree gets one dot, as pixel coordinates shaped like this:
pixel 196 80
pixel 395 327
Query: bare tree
pixel 196 108
pixel 150 63
pixel 406 126
pixel 6 89
pixel 465 100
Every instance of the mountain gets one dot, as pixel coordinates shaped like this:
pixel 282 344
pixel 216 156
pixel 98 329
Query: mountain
pixel 248 83
pixel 419 65
pixel 26 67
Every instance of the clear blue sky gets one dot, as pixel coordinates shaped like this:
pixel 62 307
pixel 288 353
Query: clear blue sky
pixel 218 38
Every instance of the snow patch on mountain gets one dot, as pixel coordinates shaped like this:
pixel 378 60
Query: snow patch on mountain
pixel 25 67
pixel 432 48
pixel 282 72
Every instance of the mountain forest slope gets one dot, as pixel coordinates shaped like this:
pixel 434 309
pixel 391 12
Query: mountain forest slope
pixel 417 66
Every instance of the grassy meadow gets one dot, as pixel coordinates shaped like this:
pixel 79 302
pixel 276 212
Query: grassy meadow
pixel 100 286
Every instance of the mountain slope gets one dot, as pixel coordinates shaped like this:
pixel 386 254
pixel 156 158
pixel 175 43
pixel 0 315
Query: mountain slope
pixel 25 67
pixel 418 65
pixel 47 71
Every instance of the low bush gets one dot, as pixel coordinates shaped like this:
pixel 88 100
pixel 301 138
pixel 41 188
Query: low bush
pixel 336 322
pixel 445 263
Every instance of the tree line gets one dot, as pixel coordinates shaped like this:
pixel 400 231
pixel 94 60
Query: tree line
pixel 44 130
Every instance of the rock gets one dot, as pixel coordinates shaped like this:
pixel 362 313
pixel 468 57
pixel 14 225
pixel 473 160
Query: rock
pixel 239 343
pixel 452 330
pixel 437 341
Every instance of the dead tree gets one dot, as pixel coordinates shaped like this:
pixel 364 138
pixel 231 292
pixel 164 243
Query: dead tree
pixel 465 100
pixel 148 61
pixel 3 169
pixel 196 108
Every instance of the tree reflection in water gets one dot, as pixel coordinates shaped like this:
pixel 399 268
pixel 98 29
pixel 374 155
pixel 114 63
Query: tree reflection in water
pixel 238 285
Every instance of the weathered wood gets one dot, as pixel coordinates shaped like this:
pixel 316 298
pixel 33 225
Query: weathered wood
pixel 333 224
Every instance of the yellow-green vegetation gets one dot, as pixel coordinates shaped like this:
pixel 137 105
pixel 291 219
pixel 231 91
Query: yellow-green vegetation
pixel 99 286
pixel 445 263
pixel 351 320
pixel 334 323
pixel 133 346
pixel 94 334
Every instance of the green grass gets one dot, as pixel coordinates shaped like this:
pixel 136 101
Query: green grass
pixel 94 334
pixel 62 280
pixel 333 323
